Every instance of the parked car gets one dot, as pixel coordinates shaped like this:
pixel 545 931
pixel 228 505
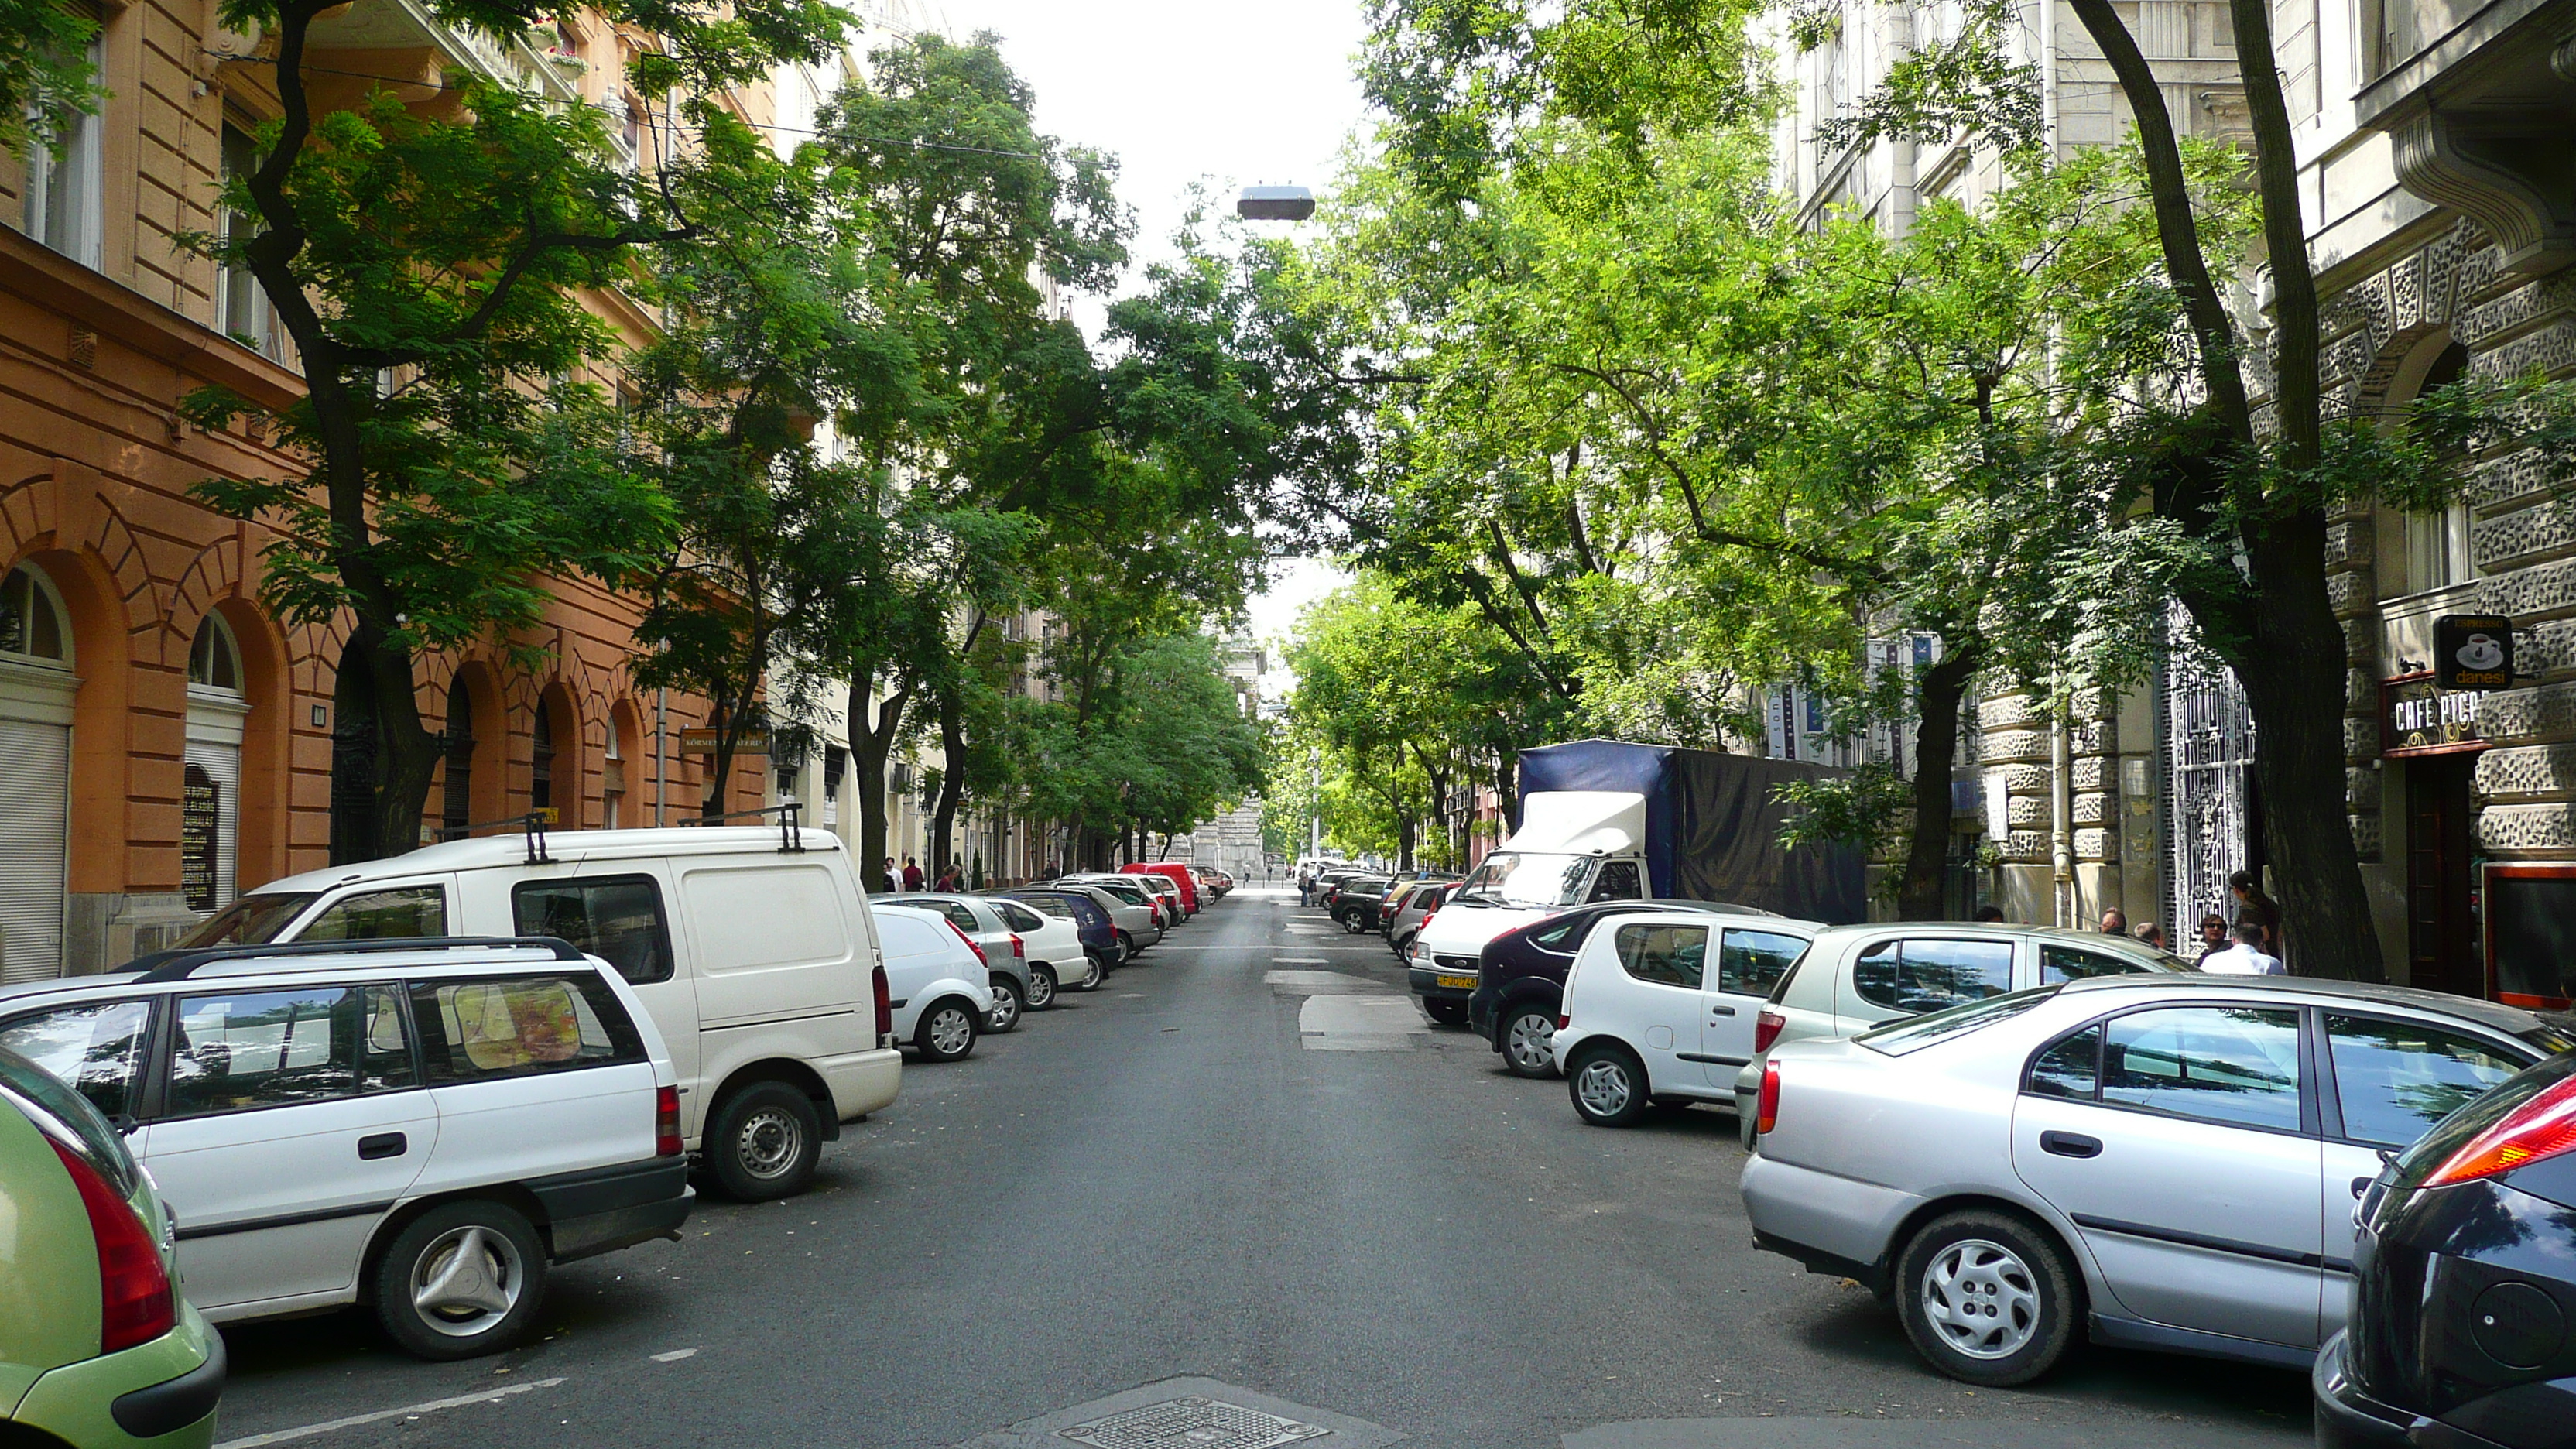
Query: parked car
pixel 748 944
pixel 1355 901
pixel 1164 889
pixel 1860 976
pixel 1519 978
pixel 1137 922
pixel 1411 910
pixel 2464 1282
pixel 938 991
pixel 1660 1006
pixel 413 1124
pixel 1161 895
pixel 98 1349
pixel 1094 931
pixel 1173 871
pixel 2169 1159
pixel 1002 949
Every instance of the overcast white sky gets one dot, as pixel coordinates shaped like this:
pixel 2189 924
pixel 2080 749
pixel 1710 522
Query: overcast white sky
pixel 1233 93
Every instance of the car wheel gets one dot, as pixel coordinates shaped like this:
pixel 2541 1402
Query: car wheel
pixel 1351 923
pixel 1987 1298
pixel 465 1279
pixel 764 1142
pixel 1529 1042
pixel 947 1031
pixel 1093 974
pixel 1041 986
pixel 1126 945
pixel 1608 1086
pixel 1006 1005
pixel 1445 1011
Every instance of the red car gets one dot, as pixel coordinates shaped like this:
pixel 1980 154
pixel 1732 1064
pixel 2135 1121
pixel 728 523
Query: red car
pixel 1176 872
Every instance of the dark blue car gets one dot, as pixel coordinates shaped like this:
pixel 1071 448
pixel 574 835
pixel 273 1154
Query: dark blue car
pixel 1099 933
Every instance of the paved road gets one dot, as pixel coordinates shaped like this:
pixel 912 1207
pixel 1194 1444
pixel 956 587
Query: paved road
pixel 1370 1228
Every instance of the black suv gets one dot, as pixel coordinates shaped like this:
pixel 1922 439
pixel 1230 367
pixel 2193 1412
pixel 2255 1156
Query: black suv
pixel 1520 978
pixel 1355 902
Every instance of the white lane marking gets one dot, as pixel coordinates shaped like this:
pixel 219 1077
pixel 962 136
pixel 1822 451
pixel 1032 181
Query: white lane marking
pixel 1297 961
pixel 677 1354
pixel 332 1426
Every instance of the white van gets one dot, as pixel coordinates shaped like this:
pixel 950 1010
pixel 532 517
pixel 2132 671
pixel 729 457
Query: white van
pixel 751 946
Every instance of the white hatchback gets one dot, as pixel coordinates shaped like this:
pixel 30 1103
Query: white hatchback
pixel 938 990
pixel 1660 1006
pixel 420 1128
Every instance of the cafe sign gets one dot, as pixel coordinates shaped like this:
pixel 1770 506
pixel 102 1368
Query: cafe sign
pixel 2420 717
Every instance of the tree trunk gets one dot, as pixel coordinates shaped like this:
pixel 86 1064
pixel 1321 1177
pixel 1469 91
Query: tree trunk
pixel 410 753
pixel 1404 827
pixel 952 779
pixel 871 742
pixel 1939 693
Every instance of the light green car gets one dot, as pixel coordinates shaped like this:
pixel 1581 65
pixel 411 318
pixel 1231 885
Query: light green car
pixel 97 1348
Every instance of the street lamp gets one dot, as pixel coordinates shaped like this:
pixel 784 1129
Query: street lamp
pixel 1275 203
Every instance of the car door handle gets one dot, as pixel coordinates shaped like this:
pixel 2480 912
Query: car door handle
pixel 1721 1011
pixel 383 1144
pixel 2070 1144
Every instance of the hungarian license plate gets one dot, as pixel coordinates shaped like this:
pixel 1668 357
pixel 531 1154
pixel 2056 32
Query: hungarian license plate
pixel 1463 983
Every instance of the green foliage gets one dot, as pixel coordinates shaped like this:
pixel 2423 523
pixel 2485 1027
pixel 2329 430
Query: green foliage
pixel 45 74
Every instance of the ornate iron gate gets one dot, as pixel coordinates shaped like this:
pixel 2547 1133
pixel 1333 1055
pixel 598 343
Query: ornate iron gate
pixel 2209 779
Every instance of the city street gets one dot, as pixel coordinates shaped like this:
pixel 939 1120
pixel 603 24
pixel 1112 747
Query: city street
pixel 1356 1221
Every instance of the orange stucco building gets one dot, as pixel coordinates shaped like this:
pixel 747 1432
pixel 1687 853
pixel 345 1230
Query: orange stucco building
pixel 164 742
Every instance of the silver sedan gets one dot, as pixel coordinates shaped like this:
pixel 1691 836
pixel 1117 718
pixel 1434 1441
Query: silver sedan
pixel 2169 1160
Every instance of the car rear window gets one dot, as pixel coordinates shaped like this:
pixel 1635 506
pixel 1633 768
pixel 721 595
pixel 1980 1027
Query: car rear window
pixel 1912 1035
pixel 485 1028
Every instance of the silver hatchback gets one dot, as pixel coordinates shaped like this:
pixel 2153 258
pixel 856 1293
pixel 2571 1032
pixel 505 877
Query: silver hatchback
pixel 2171 1158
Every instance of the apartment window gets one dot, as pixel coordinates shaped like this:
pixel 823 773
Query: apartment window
pixel 241 308
pixel 63 178
pixel 2437 542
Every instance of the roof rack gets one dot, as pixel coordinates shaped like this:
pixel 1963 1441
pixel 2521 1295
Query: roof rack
pixel 183 965
pixel 533 822
pixel 791 823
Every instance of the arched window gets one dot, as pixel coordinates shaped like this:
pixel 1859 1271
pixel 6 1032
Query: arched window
pixel 541 788
pixel 33 624
pixel 2437 542
pixel 456 805
pixel 214 661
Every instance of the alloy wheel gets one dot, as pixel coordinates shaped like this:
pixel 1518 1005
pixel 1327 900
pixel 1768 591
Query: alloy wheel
pixel 1981 1298
pixel 1041 990
pixel 1006 1007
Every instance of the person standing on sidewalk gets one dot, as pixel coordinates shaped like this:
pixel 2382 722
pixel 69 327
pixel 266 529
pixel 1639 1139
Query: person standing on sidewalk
pixel 2246 957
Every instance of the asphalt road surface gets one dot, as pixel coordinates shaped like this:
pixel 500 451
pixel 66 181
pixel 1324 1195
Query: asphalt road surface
pixel 1244 1171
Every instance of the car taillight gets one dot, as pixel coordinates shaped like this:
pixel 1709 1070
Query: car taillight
pixel 2543 1127
pixel 666 1121
pixel 1767 1115
pixel 970 944
pixel 135 1304
pixel 1766 1028
pixel 1563 1021
pixel 885 1004
pixel 1019 948
pixel 1426 921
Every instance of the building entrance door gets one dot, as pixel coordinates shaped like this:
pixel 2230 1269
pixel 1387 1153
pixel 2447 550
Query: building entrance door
pixel 2441 915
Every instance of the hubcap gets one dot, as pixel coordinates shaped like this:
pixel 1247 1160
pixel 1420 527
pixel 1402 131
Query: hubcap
pixel 768 1143
pixel 1531 1041
pixel 467 1280
pixel 950 1030
pixel 1006 1007
pixel 1981 1298
pixel 1041 988
pixel 1604 1087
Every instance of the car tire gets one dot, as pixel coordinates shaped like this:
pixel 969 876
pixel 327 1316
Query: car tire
pixel 1094 974
pixel 1528 1035
pixel 948 1029
pixel 462 1280
pixel 1987 1298
pixel 1351 923
pixel 1008 1003
pixel 1041 986
pixel 1446 1012
pixel 1607 1085
pixel 763 1142
pixel 1126 945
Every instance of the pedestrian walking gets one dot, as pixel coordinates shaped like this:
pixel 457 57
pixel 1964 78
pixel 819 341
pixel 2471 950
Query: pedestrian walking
pixel 2115 922
pixel 2245 957
pixel 2252 904
pixel 887 880
pixel 2213 936
pixel 912 876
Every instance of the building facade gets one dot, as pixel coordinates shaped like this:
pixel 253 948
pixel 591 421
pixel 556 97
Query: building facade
pixel 165 742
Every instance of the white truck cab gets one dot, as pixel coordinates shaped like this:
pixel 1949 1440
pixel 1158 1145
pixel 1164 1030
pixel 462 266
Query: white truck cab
pixel 1574 846
pixel 751 946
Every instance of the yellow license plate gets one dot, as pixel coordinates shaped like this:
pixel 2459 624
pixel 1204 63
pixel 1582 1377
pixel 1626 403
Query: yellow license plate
pixel 1467 983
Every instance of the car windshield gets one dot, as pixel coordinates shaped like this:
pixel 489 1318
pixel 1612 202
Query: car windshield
pixel 1512 878
pixel 1916 1033
pixel 250 921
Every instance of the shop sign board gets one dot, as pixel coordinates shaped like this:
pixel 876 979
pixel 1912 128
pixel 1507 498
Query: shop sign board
pixel 703 742
pixel 2420 717
pixel 2473 651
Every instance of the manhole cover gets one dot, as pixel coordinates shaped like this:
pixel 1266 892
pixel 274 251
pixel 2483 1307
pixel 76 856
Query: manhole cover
pixel 1192 1423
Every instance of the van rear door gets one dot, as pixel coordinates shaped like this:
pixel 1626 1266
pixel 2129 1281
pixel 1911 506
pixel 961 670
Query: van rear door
pixel 772 940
